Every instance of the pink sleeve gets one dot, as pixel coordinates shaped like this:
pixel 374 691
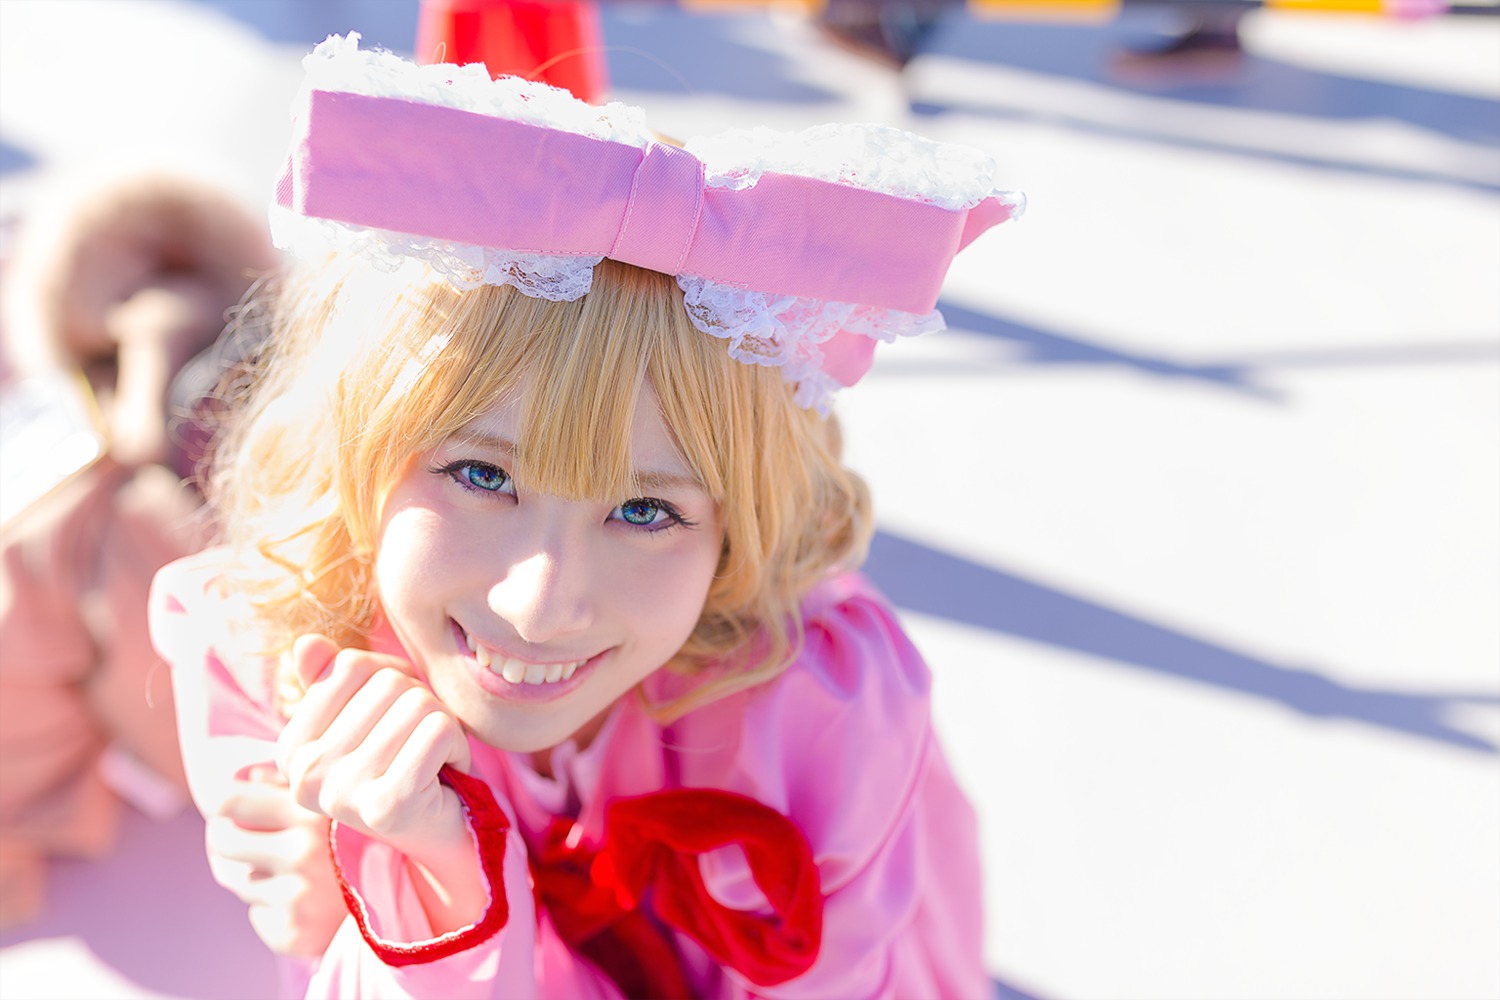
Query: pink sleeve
pixel 389 950
pixel 525 959
pixel 843 744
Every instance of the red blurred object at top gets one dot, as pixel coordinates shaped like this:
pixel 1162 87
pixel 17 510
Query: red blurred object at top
pixel 556 42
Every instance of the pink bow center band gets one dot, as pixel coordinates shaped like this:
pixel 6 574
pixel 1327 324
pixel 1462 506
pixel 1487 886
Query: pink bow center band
pixel 449 174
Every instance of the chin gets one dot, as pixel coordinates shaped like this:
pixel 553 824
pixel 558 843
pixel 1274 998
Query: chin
pixel 516 739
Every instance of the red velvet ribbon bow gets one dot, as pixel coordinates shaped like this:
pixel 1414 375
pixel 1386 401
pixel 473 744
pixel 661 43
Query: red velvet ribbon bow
pixel 598 895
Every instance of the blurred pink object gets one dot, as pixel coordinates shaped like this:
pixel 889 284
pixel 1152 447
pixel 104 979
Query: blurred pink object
pixel 121 281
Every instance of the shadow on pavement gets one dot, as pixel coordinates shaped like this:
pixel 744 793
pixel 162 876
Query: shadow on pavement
pixel 698 54
pixel 1260 84
pixel 388 24
pixel 14 158
pixel 1040 347
pixel 923 579
pixel 1242 374
pixel 1086 54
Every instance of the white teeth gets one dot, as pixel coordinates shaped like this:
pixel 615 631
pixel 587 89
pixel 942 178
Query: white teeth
pixel 518 671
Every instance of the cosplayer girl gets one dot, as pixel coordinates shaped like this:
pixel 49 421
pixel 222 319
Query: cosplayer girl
pixel 535 606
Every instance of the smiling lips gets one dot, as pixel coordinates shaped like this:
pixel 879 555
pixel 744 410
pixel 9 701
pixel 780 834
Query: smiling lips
pixel 518 672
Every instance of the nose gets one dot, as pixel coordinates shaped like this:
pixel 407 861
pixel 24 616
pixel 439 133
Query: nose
pixel 545 594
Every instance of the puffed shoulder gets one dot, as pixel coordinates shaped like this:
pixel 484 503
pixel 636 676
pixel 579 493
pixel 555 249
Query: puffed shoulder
pixel 185 604
pixel 189 582
pixel 839 741
pixel 202 631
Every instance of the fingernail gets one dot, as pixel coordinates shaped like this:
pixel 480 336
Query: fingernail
pixel 262 771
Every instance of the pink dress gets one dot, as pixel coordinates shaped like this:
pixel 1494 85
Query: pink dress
pixel 841 744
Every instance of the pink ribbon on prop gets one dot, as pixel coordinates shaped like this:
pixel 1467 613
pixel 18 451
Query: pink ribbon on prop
pixel 448 174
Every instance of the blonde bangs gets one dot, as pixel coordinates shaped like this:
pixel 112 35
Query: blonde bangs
pixel 574 368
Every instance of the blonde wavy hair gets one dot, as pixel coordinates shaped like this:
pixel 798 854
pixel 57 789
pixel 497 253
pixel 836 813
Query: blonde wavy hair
pixel 364 369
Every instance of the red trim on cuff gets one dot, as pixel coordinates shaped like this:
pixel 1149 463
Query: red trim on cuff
pixel 489 825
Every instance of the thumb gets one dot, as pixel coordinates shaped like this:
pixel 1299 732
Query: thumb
pixel 311 657
pixel 458 747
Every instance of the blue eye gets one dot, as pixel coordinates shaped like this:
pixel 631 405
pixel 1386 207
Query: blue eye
pixel 639 512
pixel 485 477
pixel 479 477
pixel 650 514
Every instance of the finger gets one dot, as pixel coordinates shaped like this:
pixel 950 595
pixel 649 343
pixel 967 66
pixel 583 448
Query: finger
pixel 411 780
pixel 268 852
pixel 353 732
pixel 312 655
pixel 323 703
pixel 360 787
pixel 263 773
pixel 262 806
pixel 331 690
pixel 416 715
pixel 235 874
pixel 281 892
pixel 356 747
pixel 232 875
pixel 437 739
pixel 237 879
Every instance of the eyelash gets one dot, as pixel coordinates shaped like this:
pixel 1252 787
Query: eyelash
pixel 675 519
pixel 455 472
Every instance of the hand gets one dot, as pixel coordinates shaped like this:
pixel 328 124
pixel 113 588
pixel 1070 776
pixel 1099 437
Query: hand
pixel 365 745
pixel 273 855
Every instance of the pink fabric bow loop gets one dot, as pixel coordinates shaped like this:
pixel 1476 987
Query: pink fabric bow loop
pixel 661 217
pixel 448 174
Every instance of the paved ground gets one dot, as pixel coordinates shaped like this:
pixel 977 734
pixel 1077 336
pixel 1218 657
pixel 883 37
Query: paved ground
pixel 1196 511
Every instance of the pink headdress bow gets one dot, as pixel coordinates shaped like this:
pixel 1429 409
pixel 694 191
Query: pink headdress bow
pixel 801 249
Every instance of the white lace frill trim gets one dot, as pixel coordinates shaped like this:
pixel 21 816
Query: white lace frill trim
pixel 462 265
pixel 783 331
pixel 869 157
pixel 788 331
pixel 339 65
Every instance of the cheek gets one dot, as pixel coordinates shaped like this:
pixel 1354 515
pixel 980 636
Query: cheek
pixel 669 600
pixel 410 556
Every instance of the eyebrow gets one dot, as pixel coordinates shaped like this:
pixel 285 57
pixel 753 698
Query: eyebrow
pixel 648 479
pixel 480 439
pixel 666 481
